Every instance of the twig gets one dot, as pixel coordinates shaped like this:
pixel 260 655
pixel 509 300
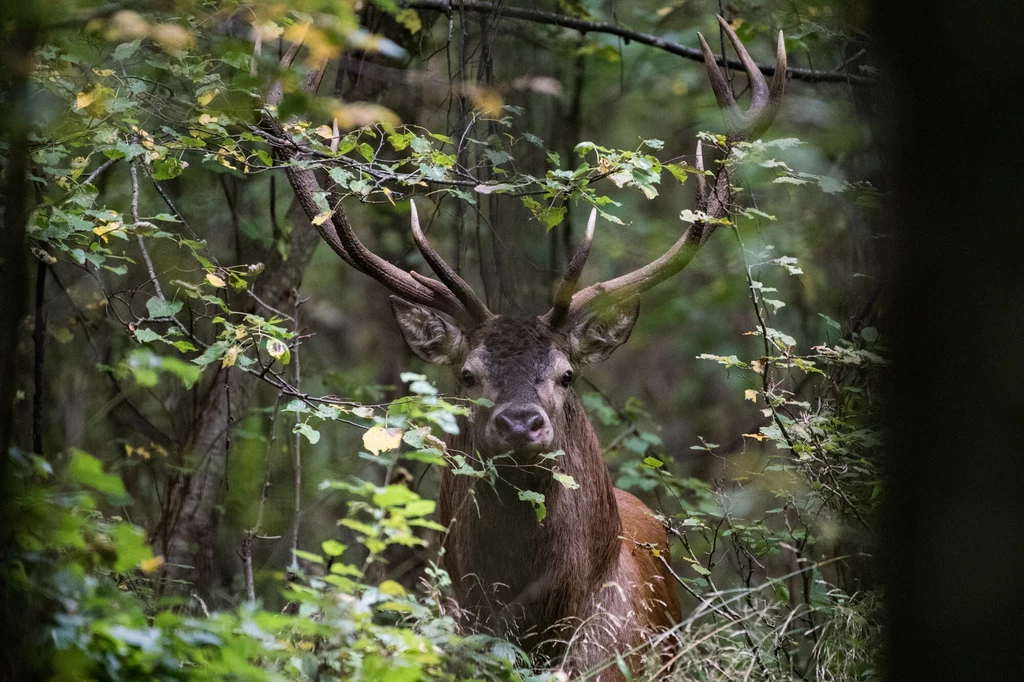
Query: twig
pixel 39 340
pixel 142 243
pixel 252 533
pixel 177 213
pixel 99 170
pixel 298 443
pixel 692 53
pixel 267 305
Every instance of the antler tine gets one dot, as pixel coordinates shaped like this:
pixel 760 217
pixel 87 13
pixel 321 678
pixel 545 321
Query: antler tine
pixel 765 99
pixel 446 274
pixel 566 289
pixel 337 231
pixel 421 290
pixel 712 199
pixel 702 182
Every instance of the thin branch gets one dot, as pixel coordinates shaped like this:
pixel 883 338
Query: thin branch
pixel 583 26
pixel 267 305
pixel 298 443
pixel 142 243
pixel 99 170
pixel 252 533
pixel 39 340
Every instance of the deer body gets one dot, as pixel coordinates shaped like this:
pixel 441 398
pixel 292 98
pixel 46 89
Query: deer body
pixel 591 578
pixel 595 571
pixel 590 562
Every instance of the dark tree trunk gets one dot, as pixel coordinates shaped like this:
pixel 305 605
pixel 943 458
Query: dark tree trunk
pixel 953 541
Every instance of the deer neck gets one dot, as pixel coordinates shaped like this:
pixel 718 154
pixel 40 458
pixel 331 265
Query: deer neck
pixel 547 565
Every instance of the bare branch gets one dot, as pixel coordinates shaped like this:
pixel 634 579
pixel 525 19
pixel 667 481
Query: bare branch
pixel 584 26
pixel 142 243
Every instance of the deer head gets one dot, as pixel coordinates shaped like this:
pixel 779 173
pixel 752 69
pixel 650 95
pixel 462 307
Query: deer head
pixel 524 366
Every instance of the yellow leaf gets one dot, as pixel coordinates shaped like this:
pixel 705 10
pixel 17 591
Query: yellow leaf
pixel 214 280
pixel 378 439
pixel 83 100
pixel 324 132
pixel 322 218
pixel 207 97
pixel 757 366
pixel 755 436
pixel 488 101
pixel 151 565
pixel 103 73
pixel 391 587
pixel 750 395
pixel 206 118
pixel 102 231
pixel 231 356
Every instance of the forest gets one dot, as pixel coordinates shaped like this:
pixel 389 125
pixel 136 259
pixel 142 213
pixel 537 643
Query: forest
pixel 225 451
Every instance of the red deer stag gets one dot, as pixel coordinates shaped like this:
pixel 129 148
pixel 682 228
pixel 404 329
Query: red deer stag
pixel 583 584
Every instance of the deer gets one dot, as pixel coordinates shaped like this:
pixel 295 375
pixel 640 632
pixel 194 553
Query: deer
pixel 591 580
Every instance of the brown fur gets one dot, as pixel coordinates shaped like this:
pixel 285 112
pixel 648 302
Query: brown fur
pixel 583 584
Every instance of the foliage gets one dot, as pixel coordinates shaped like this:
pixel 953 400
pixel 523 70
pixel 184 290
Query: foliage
pixel 139 111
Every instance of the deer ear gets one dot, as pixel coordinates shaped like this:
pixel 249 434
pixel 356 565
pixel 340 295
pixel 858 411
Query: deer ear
pixel 427 333
pixel 593 338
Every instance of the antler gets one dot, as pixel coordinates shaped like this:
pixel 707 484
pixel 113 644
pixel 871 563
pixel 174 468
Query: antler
pixel 451 295
pixel 564 295
pixel 765 102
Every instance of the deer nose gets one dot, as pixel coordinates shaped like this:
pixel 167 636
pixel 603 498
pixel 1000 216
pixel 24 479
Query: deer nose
pixel 520 425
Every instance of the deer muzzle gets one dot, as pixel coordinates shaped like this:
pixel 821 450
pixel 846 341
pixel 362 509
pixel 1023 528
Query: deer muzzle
pixel 520 428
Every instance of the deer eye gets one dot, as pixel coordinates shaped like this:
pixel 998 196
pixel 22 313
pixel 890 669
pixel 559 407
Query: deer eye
pixel 468 380
pixel 566 380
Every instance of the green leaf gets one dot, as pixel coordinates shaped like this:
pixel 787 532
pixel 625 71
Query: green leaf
pixel 782 592
pixel 311 434
pixel 126 50
pixel 653 462
pixel 537 500
pixel 159 308
pixel 144 335
pixel 699 569
pixel 131 546
pixel 420 508
pixel 332 548
pixel 394 495
pixel 566 480
pixel 87 470
pixel 214 352
pixel 308 556
pixel 167 168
